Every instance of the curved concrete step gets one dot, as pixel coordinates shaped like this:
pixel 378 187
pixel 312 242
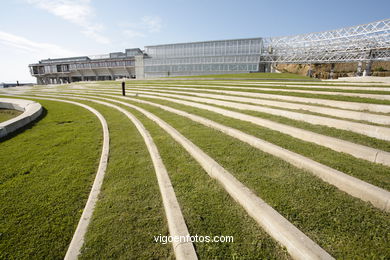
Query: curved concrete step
pixel 378 132
pixel 293 86
pixel 297 243
pixel 79 234
pixel 326 102
pixel 31 111
pixel 369 117
pixel 355 187
pixel 338 145
pixel 176 223
pixel 362 95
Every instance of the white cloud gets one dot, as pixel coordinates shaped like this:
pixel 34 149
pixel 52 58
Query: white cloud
pixel 79 12
pixel 147 24
pixel 152 23
pixel 133 34
pixel 17 52
pixel 40 48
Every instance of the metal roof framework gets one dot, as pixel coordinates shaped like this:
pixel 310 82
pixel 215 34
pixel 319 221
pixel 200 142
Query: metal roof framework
pixel 367 42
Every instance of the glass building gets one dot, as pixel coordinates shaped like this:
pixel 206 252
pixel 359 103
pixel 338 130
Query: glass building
pixel 180 59
pixel 197 58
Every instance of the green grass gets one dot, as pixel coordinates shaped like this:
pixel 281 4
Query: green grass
pixel 283 93
pixel 193 93
pixel 320 129
pixel 251 83
pixel 129 211
pixel 208 209
pixel 371 172
pixel 259 75
pixel 46 173
pixel 324 88
pixel 6 114
pixel 301 111
pixel 325 130
pixel 344 226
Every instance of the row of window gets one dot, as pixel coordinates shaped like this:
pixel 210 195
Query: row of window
pixel 71 67
pixel 202 68
pixel 229 47
pixel 203 60
pixel 102 64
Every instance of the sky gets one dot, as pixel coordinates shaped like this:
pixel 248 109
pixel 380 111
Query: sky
pixel 32 30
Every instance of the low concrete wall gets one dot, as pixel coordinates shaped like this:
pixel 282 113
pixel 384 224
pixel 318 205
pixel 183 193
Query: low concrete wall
pixel 31 111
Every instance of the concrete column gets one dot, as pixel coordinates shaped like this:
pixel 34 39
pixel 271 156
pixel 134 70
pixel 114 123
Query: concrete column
pixel 359 69
pixel 367 71
pixel 331 75
pixel 267 67
pixel 111 74
pixel 139 67
pixel 128 72
pixel 310 71
pixel 40 81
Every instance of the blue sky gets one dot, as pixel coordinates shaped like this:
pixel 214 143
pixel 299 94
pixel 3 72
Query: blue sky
pixel 31 30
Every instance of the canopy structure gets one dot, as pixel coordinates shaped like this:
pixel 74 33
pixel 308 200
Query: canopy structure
pixel 366 42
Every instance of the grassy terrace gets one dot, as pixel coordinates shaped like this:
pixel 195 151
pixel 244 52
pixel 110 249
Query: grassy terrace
pixel 46 175
pixel 329 131
pixel 283 93
pixel 286 76
pixel 129 211
pixel 342 225
pixel 325 130
pixel 161 91
pixel 244 87
pixel 264 82
pixel 111 89
pixel 370 172
pixel 207 209
pixel 6 114
pixel 43 194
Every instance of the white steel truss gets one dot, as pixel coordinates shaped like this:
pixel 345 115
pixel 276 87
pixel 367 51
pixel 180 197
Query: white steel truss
pixel 367 42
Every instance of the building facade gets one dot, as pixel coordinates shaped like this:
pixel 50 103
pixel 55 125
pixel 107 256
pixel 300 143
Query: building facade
pixel 104 67
pixel 198 58
pixel 195 58
pixel 362 43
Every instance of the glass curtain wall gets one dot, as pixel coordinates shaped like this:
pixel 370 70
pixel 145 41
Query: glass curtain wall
pixel 212 57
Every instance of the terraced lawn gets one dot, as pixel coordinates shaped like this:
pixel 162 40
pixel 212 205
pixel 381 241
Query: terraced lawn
pixel 46 175
pixel 47 170
pixel 254 76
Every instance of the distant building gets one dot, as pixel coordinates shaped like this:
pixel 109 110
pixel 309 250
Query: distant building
pixel 194 58
pixel 364 43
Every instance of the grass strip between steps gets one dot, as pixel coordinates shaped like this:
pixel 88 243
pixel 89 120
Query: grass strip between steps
pixel 341 224
pixel 373 173
pixel 129 211
pixel 46 173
